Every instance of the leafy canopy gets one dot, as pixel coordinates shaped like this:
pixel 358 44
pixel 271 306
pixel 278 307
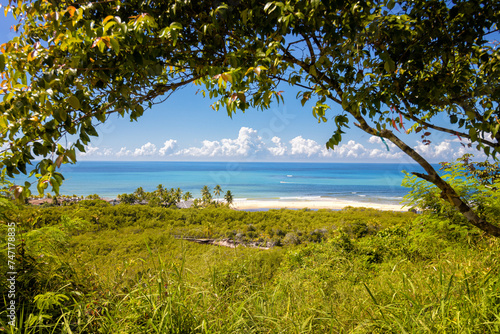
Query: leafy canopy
pixel 385 62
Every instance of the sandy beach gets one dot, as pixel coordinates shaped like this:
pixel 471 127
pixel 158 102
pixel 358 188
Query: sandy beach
pixel 333 204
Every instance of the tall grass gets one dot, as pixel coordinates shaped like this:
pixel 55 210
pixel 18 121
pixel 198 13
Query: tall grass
pixel 141 280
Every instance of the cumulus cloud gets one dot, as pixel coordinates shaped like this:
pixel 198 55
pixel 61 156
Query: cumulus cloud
pixel 248 143
pixel 93 151
pixel 442 149
pixel 147 149
pixel 169 147
pixel 307 147
pixel 351 150
pixel 438 151
pixel 447 150
pixel 90 150
pixel 378 140
pixel 279 149
pixel 123 152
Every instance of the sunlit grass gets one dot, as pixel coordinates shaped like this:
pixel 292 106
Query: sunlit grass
pixel 371 272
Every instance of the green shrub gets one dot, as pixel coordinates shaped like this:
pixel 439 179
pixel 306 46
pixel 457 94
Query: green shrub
pixel 478 184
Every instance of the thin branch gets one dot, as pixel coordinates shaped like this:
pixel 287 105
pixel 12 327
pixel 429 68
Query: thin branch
pixel 438 128
pixel 288 81
pixel 311 50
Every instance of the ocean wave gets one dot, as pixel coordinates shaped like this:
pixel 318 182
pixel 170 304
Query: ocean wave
pixel 391 197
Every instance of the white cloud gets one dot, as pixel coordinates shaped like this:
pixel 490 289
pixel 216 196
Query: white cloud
pixel 94 151
pixel 429 150
pixel 147 149
pixel 375 153
pixel 442 149
pixel 91 151
pixel 375 140
pixel 123 152
pixel 351 150
pixel 248 143
pixel 169 147
pixel 471 150
pixel 301 146
pixel 447 150
pixel 280 149
pixel 395 154
pixel 378 140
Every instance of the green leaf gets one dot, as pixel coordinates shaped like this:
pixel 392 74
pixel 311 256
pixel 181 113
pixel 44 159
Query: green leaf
pixel 80 147
pixel 74 102
pixel 2 62
pixel 115 45
pixel 175 25
pixel 71 154
pixel 267 6
pixel 312 70
pixel 91 131
pixel 109 17
pixel 55 185
pixel 389 65
pixel 60 115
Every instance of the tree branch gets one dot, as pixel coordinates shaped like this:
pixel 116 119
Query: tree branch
pixel 439 128
pixel 448 193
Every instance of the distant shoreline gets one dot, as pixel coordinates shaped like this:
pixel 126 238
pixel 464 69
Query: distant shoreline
pixel 268 204
pixel 332 204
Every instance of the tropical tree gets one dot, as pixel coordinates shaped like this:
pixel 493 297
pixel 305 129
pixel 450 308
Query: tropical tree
pixel 177 195
pixel 217 191
pixel 228 197
pixel 206 196
pixel 140 194
pixel 127 198
pixel 390 65
pixel 187 196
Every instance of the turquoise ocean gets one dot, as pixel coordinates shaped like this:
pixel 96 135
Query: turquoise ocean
pixel 361 182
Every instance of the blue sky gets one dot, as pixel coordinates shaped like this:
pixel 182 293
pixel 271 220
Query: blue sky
pixel 186 128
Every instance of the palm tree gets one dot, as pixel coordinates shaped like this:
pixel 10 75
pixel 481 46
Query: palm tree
pixel 187 196
pixel 159 190
pixel 205 194
pixel 228 197
pixel 139 193
pixel 217 191
pixel 178 195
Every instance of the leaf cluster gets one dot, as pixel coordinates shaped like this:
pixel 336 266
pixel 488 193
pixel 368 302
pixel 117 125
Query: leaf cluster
pixel 476 182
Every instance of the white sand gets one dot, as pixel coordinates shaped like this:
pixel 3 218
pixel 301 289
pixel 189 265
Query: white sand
pixel 334 204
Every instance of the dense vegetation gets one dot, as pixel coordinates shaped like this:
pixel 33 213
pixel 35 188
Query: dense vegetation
pixel 91 267
pixel 172 197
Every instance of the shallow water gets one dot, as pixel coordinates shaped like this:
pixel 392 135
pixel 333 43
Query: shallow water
pixel 361 182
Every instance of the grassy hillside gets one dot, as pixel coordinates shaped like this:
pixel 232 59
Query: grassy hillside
pixel 94 268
